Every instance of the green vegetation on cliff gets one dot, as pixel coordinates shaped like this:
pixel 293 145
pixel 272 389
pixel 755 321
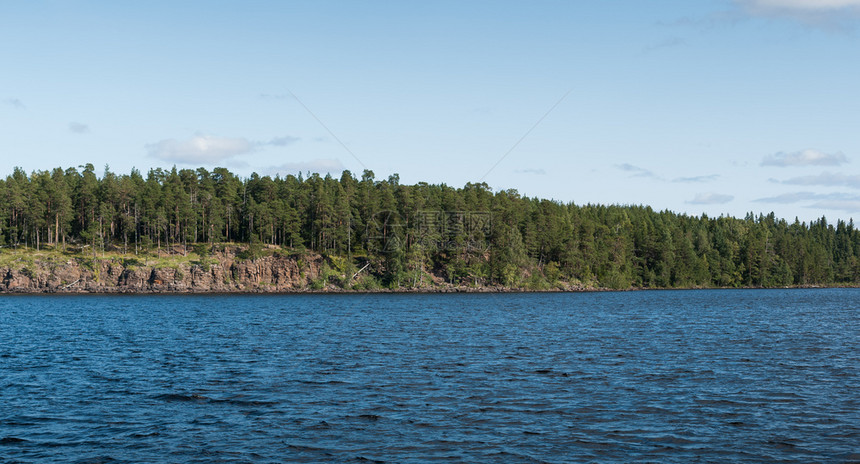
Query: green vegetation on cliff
pixel 410 233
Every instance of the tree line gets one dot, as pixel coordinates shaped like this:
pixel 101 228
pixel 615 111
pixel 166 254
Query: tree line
pixel 469 234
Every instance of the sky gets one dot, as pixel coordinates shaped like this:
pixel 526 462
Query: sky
pixel 707 106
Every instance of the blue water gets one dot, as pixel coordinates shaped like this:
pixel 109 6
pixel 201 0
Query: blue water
pixel 666 376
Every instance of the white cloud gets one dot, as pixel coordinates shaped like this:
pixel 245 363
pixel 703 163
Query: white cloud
pixel 204 149
pixel 332 166
pixel 829 179
pixel 805 158
pixel 711 199
pixel 79 127
pixel 211 149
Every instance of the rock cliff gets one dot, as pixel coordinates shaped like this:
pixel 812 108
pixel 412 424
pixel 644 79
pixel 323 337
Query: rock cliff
pixel 222 272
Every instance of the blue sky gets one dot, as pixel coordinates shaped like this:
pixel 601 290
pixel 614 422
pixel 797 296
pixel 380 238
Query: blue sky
pixel 707 106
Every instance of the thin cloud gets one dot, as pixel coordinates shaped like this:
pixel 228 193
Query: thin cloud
pixel 797 197
pixel 835 201
pixel 667 43
pixel 79 127
pixel 205 149
pixel 238 164
pixel 538 172
pixel 635 171
pixel 806 5
pixel 832 15
pixel 269 96
pixel 14 103
pixel 836 15
pixel 788 198
pixel 711 199
pixel 805 158
pixel 828 179
pixel 331 166
pixel 696 179
pixel 282 141
pixel 708 22
pixel 850 206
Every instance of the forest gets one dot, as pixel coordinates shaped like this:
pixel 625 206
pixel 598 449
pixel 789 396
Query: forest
pixel 470 235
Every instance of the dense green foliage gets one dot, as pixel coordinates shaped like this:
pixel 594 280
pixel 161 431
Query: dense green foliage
pixel 470 234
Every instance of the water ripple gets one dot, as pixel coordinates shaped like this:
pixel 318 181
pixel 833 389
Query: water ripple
pixel 705 376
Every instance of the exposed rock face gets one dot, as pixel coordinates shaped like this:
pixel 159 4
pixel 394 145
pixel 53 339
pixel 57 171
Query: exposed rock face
pixel 222 273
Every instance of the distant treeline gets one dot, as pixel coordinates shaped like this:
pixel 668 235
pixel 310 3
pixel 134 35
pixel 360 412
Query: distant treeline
pixel 465 234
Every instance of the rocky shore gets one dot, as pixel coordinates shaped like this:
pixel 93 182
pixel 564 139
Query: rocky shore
pixel 222 272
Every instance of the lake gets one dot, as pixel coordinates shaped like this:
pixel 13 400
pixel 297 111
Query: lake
pixel 666 376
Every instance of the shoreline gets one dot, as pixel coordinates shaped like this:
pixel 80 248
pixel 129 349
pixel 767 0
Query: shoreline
pixel 404 291
pixel 273 272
